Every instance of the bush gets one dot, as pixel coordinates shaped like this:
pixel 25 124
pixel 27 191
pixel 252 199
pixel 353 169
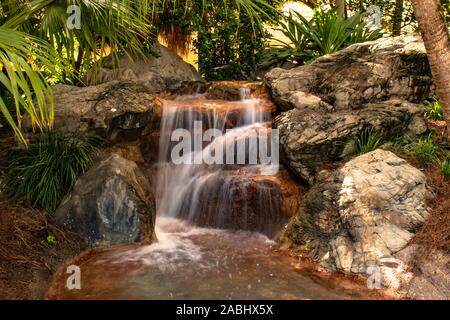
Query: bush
pixel 47 170
pixel 434 110
pixel 368 141
pixel 327 32
pixel 425 150
pixel 444 165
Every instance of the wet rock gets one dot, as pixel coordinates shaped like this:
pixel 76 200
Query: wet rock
pixel 130 151
pixel 365 211
pixel 167 72
pixel 229 91
pixel 116 111
pixel 110 204
pixel 310 139
pixel 388 68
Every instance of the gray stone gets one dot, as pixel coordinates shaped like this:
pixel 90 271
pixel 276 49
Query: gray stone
pixel 116 111
pixel 354 216
pixel 310 139
pixel 388 68
pixel 167 72
pixel 110 204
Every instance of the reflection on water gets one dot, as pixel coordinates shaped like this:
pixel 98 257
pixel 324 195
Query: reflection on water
pixel 197 263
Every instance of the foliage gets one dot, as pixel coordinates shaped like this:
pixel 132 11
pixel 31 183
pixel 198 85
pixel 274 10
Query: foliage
pixel 229 34
pixel 32 31
pixel 224 54
pixel 444 165
pixel 368 141
pixel 425 150
pixel 434 110
pixel 51 239
pixel 47 170
pixel 388 13
pixel 327 32
pixel 21 81
pixel 399 144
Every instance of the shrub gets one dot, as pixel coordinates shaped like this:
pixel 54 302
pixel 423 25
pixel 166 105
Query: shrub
pixel 399 144
pixel 327 32
pixel 47 170
pixel 444 165
pixel 368 141
pixel 425 150
pixel 434 110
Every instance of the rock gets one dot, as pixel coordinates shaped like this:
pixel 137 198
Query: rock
pixel 229 91
pixel 365 211
pixel 168 72
pixel 117 111
pixel 430 276
pixel 375 71
pixel 130 151
pixel 110 204
pixel 330 102
pixel 310 139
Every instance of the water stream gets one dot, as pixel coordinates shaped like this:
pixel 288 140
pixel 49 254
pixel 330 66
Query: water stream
pixel 214 224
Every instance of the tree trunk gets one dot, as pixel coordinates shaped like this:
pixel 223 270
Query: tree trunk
pixel 340 7
pixel 397 18
pixel 435 36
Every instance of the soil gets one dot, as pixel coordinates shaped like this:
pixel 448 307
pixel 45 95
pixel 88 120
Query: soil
pixel 435 234
pixel 31 246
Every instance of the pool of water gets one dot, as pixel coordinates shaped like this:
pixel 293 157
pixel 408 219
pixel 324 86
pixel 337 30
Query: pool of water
pixel 199 263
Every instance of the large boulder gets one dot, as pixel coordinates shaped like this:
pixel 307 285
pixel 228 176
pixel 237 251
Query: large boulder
pixel 332 101
pixel 311 139
pixel 112 203
pixel 164 72
pixel 388 68
pixel 115 111
pixel 365 211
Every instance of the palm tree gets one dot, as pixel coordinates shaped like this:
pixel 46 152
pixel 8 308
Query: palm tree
pixel 340 7
pixel 397 18
pixel 34 38
pixel 436 39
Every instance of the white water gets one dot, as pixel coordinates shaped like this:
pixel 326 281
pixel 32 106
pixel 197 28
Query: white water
pixel 220 196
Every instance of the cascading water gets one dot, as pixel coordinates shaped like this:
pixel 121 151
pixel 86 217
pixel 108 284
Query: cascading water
pixel 212 222
pixel 230 195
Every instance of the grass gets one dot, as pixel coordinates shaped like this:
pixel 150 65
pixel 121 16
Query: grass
pixel 434 110
pixel 425 150
pixel 444 165
pixel 47 170
pixel 368 141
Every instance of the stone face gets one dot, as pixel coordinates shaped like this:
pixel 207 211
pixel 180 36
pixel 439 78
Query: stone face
pixel 330 102
pixel 365 211
pixel 116 111
pixel 167 72
pixel 311 139
pixel 388 68
pixel 110 204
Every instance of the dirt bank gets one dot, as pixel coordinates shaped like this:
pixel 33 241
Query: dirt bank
pixel 31 246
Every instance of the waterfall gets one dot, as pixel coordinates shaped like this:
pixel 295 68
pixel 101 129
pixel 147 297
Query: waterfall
pixel 232 195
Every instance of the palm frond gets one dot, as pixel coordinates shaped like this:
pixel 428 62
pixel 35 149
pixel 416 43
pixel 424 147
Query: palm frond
pixel 20 58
